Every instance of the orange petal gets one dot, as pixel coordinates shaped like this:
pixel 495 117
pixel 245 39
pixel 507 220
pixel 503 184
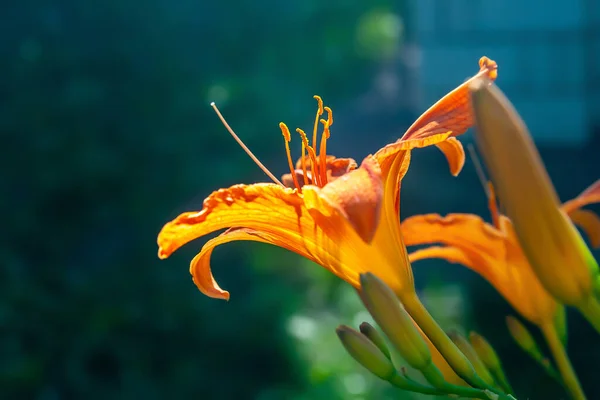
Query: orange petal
pixel 250 206
pixel 448 253
pixel 590 195
pixel 589 222
pixel 200 265
pixel 356 195
pixel 336 226
pixel 492 253
pixel 432 228
pixel 389 235
pixel 452 113
pixel 455 154
pixel 450 116
pixel 386 155
pixel 472 243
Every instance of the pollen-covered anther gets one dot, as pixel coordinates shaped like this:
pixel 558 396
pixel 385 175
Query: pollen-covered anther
pixel 288 138
pixel 316 124
pixel 323 149
pixel 314 167
pixel 285 131
pixel 329 116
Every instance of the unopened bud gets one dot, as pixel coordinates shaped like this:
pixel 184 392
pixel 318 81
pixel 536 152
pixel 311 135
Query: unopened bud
pixel 490 359
pixel 374 336
pixel 547 236
pixel 484 350
pixel 464 346
pixel 365 352
pixel 393 319
pixel 523 337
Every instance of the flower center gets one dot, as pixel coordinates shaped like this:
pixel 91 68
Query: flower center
pixel 314 167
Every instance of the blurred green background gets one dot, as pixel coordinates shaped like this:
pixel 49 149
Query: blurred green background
pixel 107 134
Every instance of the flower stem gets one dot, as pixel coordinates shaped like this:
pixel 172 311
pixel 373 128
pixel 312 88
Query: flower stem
pixel 466 392
pixel 410 385
pixel 456 359
pixel 591 311
pixel 562 362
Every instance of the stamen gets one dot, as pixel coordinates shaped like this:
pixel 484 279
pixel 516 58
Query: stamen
pixel 314 168
pixel 319 113
pixel 288 138
pixel 323 150
pixel 488 188
pixel 246 149
pixel 303 162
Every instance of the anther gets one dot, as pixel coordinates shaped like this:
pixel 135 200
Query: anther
pixel 288 138
pixel 329 116
pixel 314 167
pixel 285 131
pixel 319 113
pixel 320 104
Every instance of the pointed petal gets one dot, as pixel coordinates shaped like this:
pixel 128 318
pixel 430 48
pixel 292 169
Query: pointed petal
pixel 452 113
pixel 200 265
pixel 389 235
pixel 455 154
pixel 591 195
pixel 451 229
pixel 264 207
pixel 451 254
pixel 277 215
pixel 384 255
pixel 356 195
pixel 450 116
pixel 492 253
pixel 592 191
pixel 589 222
pixel 386 155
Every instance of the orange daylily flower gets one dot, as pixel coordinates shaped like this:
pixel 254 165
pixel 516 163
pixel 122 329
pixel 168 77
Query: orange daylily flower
pixel 493 251
pixel 340 216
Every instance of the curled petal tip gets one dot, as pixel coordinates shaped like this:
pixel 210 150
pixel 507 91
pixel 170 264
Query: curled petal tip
pixel 162 254
pixel 225 296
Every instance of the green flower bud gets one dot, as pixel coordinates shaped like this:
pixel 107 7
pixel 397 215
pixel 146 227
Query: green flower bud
pixel 374 336
pixel 547 236
pixel 472 355
pixel 366 353
pixel 490 359
pixel 398 326
pixel 523 337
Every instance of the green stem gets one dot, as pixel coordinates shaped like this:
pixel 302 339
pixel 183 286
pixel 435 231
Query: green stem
pixel 549 369
pixel 591 311
pixel 562 362
pixel 455 358
pixel 410 385
pixel 435 377
pixel 466 392
pixel 502 380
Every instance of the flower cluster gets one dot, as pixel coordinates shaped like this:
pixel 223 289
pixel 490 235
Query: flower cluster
pixel 345 217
